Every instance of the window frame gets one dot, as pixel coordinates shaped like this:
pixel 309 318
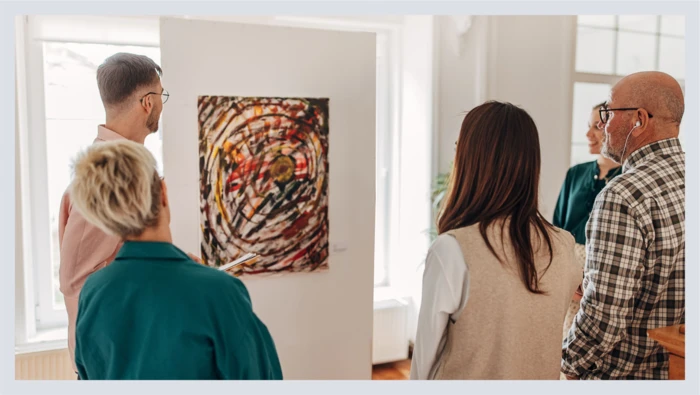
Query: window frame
pixel 36 163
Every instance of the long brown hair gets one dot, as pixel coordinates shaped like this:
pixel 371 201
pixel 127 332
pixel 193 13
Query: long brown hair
pixel 495 176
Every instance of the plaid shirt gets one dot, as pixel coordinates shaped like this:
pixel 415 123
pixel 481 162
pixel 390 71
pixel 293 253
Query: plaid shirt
pixel 634 278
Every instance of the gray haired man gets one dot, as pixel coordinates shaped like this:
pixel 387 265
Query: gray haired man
pixel 634 277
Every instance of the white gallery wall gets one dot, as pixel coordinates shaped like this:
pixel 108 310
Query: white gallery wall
pixel 321 322
pixel 461 82
pixel 525 60
pixel 532 66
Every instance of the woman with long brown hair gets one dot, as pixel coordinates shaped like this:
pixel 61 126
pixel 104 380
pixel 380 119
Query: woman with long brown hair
pixel 499 277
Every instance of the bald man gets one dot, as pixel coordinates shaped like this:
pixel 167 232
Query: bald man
pixel 635 265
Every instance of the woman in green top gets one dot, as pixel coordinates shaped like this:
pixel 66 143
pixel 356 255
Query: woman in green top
pixel 582 184
pixel 154 313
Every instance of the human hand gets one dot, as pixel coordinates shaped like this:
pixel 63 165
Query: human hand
pixel 568 377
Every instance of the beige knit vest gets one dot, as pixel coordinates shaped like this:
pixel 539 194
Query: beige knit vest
pixel 506 332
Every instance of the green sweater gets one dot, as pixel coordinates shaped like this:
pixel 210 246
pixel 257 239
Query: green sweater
pixel 577 196
pixel 155 314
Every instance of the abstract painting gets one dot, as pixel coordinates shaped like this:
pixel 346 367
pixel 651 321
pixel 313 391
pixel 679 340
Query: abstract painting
pixel 264 182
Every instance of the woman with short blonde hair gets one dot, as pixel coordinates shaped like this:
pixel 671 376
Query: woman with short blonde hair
pixel 154 313
pixel 117 188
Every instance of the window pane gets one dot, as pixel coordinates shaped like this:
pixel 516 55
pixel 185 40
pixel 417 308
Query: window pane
pixel 580 154
pixel 154 143
pixel 639 23
pixel 64 139
pixel 586 95
pixel 673 24
pixel 672 56
pixel 635 52
pixel 597 20
pixel 594 50
pixel 70 77
pixel 69 84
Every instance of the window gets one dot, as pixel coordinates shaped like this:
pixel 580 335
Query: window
pixel 63 108
pixel 608 47
pixel 72 112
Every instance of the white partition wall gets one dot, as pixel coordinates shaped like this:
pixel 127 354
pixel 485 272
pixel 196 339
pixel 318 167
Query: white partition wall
pixel 321 322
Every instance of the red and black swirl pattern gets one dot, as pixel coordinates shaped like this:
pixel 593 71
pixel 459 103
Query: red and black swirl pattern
pixel 264 182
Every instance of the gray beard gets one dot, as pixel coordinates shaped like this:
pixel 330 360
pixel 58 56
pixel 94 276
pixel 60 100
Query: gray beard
pixel 606 152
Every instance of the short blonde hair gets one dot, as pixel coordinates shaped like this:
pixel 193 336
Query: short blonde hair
pixel 117 188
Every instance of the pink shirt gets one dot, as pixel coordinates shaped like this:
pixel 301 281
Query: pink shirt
pixel 84 250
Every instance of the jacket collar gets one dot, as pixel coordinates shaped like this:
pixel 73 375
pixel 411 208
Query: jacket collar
pixel 150 250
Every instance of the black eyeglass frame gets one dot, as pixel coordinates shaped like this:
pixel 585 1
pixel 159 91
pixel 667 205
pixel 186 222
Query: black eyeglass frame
pixel 165 94
pixel 603 112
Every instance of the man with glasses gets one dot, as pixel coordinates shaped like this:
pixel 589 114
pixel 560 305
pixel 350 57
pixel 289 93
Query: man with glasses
pixel 635 265
pixel 133 99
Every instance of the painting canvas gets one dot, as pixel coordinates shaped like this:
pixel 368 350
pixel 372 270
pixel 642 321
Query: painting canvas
pixel 264 182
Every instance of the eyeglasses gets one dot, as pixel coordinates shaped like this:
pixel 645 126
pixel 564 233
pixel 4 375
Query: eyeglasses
pixel 165 94
pixel 603 112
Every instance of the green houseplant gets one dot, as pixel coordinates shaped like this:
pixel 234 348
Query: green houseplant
pixel 438 193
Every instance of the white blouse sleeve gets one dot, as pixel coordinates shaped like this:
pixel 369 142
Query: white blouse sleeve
pixel 445 291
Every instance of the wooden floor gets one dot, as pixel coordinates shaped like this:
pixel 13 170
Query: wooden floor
pixel 392 371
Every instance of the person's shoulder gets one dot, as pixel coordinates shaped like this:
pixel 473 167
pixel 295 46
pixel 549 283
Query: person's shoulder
pixel 563 246
pixel 444 241
pixel 583 166
pixel 218 281
pixel 99 279
pixel 445 247
pixel 209 273
pixel 631 188
pixel 459 233
pixel 561 237
pixel 580 169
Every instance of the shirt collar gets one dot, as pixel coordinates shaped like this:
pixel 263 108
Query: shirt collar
pixel 661 147
pixel 104 134
pixel 150 250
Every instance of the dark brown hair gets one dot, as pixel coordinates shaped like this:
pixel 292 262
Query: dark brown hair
pixel 496 176
pixel 121 74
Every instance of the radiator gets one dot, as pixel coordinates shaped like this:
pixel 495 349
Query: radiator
pixel 390 335
pixel 44 365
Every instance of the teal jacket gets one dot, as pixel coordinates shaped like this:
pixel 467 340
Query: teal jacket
pixel 155 314
pixel 577 196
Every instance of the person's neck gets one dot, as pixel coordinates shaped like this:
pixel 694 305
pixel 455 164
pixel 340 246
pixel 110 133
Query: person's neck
pixel 605 165
pixel 128 128
pixel 159 234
